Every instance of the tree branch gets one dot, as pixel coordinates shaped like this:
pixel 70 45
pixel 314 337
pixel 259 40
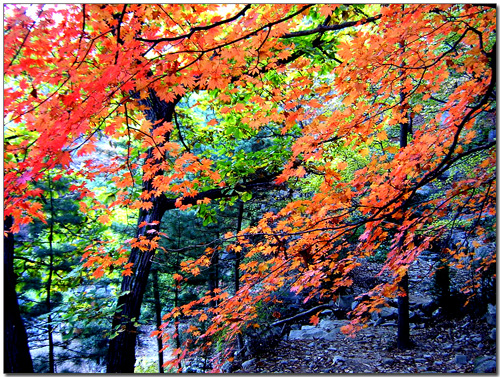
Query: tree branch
pixel 195 29
pixel 323 28
pixel 303 314
pixel 224 192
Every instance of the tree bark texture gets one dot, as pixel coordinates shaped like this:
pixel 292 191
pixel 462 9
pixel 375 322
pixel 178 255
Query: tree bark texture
pixel 403 341
pixel 17 356
pixel 121 353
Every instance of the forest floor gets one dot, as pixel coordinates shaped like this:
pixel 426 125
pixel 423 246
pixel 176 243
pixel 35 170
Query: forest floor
pixel 447 347
pixel 439 346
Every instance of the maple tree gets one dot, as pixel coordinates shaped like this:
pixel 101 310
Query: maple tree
pixel 330 86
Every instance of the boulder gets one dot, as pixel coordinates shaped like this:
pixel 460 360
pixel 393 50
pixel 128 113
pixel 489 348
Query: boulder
pixel 485 364
pixel 327 329
pixel 460 359
pixel 227 367
pixel 345 302
pixel 306 334
pixel 493 334
pixel 332 325
pixel 385 314
pixel 248 365
pixel 491 315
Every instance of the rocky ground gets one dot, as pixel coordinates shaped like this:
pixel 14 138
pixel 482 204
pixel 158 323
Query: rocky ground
pixel 455 346
pixel 465 344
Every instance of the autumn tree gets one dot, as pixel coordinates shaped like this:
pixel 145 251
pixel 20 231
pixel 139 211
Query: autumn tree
pixel 445 71
pixel 309 79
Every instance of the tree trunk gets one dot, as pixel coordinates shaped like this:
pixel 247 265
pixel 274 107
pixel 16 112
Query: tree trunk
pixel 121 353
pixel 442 282
pixel 403 315
pixel 403 341
pixel 17 356
pixel 156 294
pixel 237 256
pixel 49 284
pixel 213 277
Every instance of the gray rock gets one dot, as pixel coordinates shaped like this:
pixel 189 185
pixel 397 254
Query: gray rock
pixel 313 333
pixel 326 313
pixel 447 346
pixel 436 313
pixel 295 335
pixel 345 302
pixel 386 314
pixel 332 325
pixel 416 316
pixel 227 367
pixel 428 307
pixel 460 359
pixel 425 190
pixel 331 336
pixel 389 313
pixel 354 305
pixel 387 361
pixel 485 364
pixel 493 334
pixel 248 365
pixel 491 315
pixel 420 360
pixel 485 251
pixel 338 359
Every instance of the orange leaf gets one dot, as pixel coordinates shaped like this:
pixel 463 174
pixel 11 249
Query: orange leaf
pixel 364 152
pixel 382 136
pixel 341 165
pixel 104 219
pixel 314 320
